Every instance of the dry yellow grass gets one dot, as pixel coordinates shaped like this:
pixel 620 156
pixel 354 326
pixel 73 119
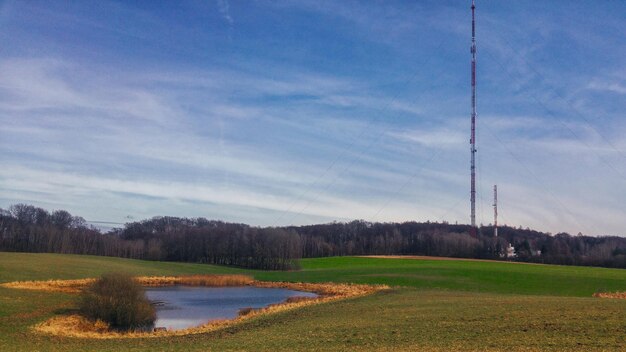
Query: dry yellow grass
pixel 618 295
pixel 335 290
pixel 68 286
pixel 196 280
pixel 76 286
pixel 78 326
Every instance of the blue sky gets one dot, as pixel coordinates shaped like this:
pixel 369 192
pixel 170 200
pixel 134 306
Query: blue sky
pixel 298 112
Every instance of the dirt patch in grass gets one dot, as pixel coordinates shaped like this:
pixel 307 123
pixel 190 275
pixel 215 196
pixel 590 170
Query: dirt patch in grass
pixel 74 325
pixel 618 295
pixel 423 257
pixel 412 276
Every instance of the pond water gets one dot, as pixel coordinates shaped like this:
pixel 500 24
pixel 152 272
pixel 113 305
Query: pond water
pixel 181 307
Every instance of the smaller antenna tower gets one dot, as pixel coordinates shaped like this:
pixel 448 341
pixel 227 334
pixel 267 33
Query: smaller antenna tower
pixel 495 210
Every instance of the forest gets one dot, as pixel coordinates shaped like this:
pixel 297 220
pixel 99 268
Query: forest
pixel 26 228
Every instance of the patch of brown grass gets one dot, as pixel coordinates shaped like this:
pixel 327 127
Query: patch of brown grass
pixel 78 326
pixel 336 290
pixel 245 311
pixel 296 299
pixel 68 286
pixel 197 280
pixel 425 257
pixel 76 286
pixel 618 295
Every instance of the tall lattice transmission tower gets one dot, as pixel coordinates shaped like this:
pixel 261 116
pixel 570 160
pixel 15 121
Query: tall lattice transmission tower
pixel 473 132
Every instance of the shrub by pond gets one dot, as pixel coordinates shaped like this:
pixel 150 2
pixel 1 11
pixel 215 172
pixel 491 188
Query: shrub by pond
pixel 119 300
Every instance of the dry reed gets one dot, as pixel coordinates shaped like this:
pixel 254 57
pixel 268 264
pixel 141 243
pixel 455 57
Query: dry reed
pixel 197 280
pixel 76 286
pixel 67 286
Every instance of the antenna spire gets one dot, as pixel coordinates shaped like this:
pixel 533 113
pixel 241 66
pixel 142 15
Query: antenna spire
pixel 495 210
pixel 473 132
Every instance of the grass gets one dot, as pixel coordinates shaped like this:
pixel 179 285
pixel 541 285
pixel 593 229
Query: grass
pixel 444 305
pixel 459 275
pixel 29 266
pixel 454 275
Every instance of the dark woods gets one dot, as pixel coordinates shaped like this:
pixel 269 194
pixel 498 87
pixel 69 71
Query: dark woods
pixel 29 229
pixel 214 242
pixel 445 240
pixel 25 228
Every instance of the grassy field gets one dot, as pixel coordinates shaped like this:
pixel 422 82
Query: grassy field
pixel 440 306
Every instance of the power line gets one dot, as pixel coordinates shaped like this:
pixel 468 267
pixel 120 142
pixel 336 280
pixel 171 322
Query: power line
pixel 449 209
pixel 105 222
pixel 578 113
pixel 568 128
pixel 533 175
pixel 520 162
pixel 408 180
pixel 345 151
pixel 480 187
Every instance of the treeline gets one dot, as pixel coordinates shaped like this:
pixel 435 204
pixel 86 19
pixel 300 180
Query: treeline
pixel 214 242
pixel 29 229
pixel 25 228
pixel 446 240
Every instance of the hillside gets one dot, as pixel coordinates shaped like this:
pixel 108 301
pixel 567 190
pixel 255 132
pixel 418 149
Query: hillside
pixel 441 305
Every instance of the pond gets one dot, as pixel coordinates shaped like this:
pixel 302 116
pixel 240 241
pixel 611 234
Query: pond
pixel 181 307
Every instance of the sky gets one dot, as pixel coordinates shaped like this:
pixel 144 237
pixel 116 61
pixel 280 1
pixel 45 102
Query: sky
pixel 298 112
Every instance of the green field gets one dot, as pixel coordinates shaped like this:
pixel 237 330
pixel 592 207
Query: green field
pixel 437 305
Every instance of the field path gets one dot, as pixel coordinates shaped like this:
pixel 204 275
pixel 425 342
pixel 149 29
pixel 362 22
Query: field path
pixel 424 257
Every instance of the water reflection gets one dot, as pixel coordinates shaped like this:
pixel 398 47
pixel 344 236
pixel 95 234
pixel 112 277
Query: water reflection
pixel 181 307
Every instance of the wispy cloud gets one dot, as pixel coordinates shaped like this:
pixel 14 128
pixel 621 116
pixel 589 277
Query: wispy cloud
pixel 165 137
pixel 224 8
pixel 615 87
pixel 315 110
pixel 434 138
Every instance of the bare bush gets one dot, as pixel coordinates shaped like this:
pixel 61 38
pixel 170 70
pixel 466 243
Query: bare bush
pixel 119 300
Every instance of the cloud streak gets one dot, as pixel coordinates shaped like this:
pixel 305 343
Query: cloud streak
pixel 313 111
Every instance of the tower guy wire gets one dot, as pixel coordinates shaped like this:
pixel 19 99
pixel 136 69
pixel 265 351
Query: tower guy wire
pixel 343 154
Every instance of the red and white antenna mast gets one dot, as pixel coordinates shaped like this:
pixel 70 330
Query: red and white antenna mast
pixel 473 134
pixel 495 210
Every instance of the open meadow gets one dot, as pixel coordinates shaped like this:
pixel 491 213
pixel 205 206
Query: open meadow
pixel 435 305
